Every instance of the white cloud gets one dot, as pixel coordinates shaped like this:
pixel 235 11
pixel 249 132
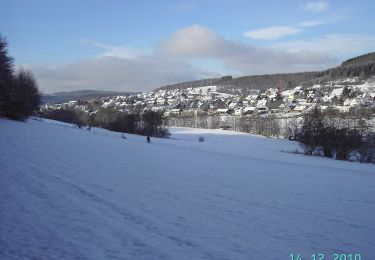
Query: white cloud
pixel 115 51
pixel 277 32
pixel 273 33
pixel 195 40
pixel 316 6
pixel 199 42
pixel 344 45
pixel 114 73
pixel 311 23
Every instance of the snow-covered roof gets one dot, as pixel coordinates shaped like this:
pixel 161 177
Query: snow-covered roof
pixel 248 109
pixel 262 103
pixel 300 108
pixel 337 92
pixel 222 110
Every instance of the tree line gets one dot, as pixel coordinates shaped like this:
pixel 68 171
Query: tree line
pixel 19 94
pixel 147 123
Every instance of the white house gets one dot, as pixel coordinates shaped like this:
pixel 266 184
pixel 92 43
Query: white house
pixel 262 103
pixel 300 108
pixel 250 110
pixel 238 111
pixel 337 92
pixel 175 111
pixel 222 111
pixel 232 105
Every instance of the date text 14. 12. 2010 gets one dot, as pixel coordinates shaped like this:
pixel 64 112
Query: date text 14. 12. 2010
pixel 321 256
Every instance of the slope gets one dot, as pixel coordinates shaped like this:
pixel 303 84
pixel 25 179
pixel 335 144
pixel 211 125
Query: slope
pixel 67 193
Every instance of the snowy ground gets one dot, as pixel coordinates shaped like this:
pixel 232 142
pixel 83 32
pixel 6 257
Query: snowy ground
pixel 71 194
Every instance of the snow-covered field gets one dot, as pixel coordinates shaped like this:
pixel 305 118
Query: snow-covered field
pixel 71 194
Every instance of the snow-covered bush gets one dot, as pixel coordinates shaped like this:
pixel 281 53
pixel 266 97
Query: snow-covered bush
pixel 354 156
pixel 318 151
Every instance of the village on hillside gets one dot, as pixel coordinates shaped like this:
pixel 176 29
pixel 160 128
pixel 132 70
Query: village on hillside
pixel 341 96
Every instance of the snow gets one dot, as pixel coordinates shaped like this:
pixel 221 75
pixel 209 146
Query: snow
pixel 68 193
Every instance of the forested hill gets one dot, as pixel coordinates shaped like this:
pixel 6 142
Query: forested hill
pixel 367 58
pixel 361 66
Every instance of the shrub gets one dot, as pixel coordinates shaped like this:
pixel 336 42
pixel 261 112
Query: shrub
pixel 201 139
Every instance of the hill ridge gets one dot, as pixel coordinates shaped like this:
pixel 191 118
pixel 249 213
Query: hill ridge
pixel 359 66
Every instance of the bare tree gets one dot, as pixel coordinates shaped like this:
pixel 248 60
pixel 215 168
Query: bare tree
pixel 6 73
pixel 23 98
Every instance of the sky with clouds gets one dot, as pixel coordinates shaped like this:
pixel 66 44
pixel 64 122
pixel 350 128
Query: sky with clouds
pixel 140 45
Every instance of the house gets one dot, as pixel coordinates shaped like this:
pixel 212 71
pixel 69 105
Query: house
pixel 356 102
pixel 252 97
pixel 189 112
pixel 216 104
pixel 274 111
pixel 72 103
pixel 108 104
pixel 262 103
pixel 301 101
pixel 300 108
pixel 238 111
pixel 232 105
pixel 262 110
pixel 214 94
pixel 337 92
pixel 342 109
pixel 161 101
pixel 157 109
pixel 249 110
pixel 175 111
pixel 347 102
pixel 223 111
pixel 124 105
pixel 288 107
pixel 290 94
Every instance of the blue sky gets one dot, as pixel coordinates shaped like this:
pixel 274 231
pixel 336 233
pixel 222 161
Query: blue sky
pixel 140 45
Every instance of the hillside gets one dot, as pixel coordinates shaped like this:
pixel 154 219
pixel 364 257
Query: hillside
pixel 69 193
pixel 367 58
pixel 363 66
pixel 246 83
pixel 62 97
